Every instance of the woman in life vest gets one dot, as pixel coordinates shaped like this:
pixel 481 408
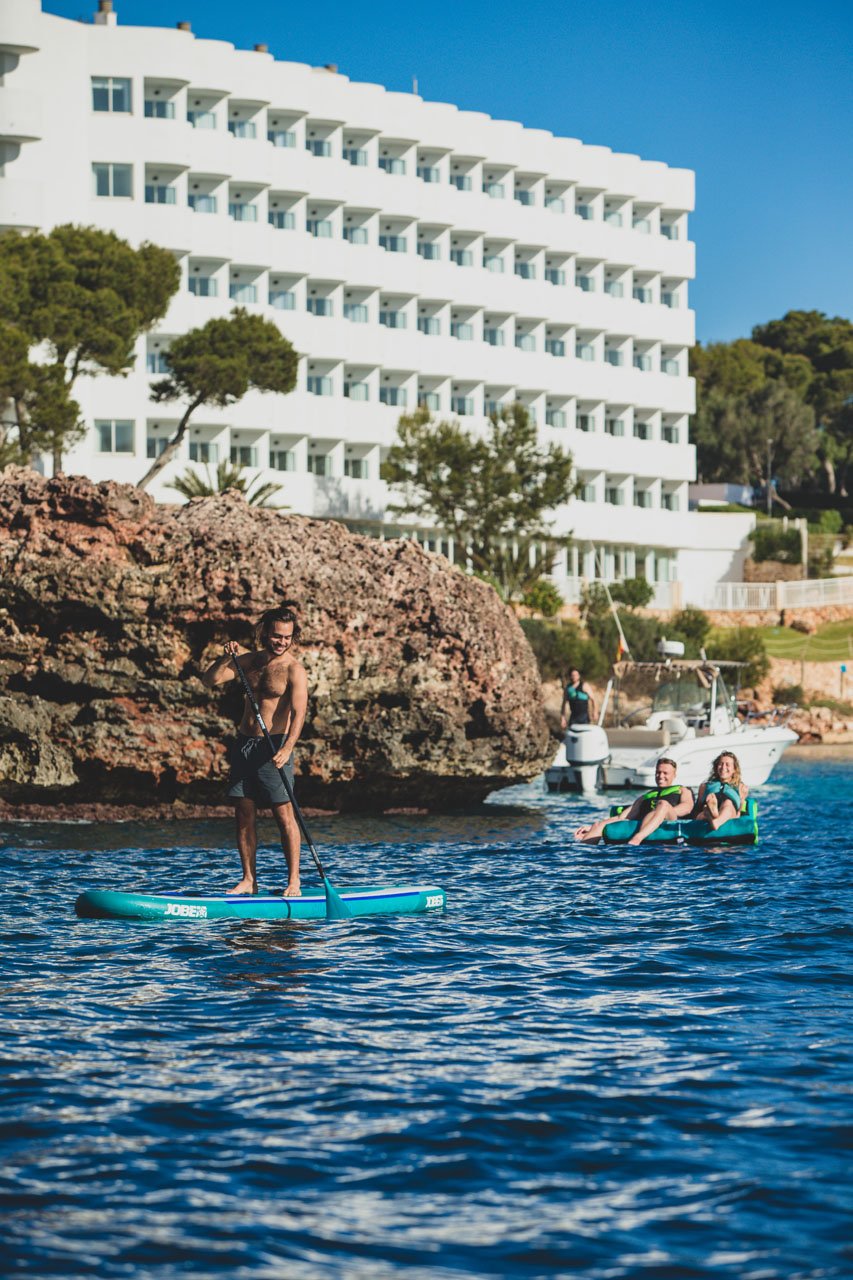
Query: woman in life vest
pixel 578 707
pixel 722 797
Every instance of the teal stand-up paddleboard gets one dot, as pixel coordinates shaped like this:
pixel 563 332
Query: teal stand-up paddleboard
pixel 362 901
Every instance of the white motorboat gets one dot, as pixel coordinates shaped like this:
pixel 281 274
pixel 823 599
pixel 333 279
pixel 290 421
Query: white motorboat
pixel 679 708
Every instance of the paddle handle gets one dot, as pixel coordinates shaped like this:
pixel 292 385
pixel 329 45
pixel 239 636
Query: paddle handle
pixel 289 789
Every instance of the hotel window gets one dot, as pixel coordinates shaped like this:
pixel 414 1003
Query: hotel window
pixel 587 493
pixel 113 180
pixel 356 390
pixel 555 346
pixel 319 386
pixel 392 164
pixel 356 468
pixel 155 445
pixel 242 293
pixel 393 244
pixel 242 211
pixel 491 261
pixel 430 250
pixel 494 336
pixel 462 257
pixel 243 128
pixel 356 156
pixel 281 138
pixel 320 306
pixel 204 451
pixel 156 362
pixel 393 319
pixel 356 235
pixel 430 325
pixel 159 109
pixel 555 418
pixel 110 93
pixel 669 434
pixel 396 396
pixel 320 228
pixel 614 426
pixel 201 203
pixel 319 464
pixel 430 400
pixel 356 312
pixel 643 498
pixel 642 431
pixel 244 455
pixel 461 181
pixel 160 193
pixel 204 286
pixel 461 330
pixel 114 436
pixel 614 495
pixel 585 422
pixel 282 460
pixel 670 366
pixel 669 501
pixel 462 405
pixel 555 275
pixel 282 219
pixel 283 299
pixel 202 119
pixel 318 146
pixel 584 350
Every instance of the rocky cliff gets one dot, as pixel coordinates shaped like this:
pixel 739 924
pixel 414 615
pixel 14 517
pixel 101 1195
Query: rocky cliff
pixel 423 690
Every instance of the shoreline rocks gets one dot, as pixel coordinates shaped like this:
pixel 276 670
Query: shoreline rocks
pixel 423 690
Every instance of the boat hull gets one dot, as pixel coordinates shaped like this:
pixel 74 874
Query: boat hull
pixel 107 904
pixel 757 750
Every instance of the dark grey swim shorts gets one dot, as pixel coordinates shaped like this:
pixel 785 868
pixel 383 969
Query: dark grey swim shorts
pixel 253 775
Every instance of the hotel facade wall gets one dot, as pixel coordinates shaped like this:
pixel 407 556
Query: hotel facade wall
pixel 411 252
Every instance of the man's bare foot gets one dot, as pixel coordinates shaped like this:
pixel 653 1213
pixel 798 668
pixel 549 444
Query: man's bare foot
pixel 293 890
pixel 634 840
pixel 245 886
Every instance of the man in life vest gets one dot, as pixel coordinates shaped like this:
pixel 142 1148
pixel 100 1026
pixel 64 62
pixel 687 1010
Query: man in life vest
pixel 578 707
pixel 666 802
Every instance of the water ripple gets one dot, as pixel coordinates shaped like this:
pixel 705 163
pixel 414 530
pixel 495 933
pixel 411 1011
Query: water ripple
pixel 605 1063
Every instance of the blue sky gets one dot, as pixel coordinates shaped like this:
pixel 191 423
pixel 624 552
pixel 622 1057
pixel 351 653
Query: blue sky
pixel 756 97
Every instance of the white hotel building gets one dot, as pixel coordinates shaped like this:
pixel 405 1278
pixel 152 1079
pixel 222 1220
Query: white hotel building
pixel 412 252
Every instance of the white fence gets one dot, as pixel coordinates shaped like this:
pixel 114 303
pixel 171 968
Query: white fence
pixel 757 596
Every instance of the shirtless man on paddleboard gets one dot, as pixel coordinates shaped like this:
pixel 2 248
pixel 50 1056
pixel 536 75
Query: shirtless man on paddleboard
pixel 280 687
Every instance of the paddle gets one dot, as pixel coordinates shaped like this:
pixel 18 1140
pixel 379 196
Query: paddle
pixel 336 908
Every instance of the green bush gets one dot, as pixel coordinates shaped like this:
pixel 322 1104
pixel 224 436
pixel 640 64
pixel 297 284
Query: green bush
pixel 692 626
pixel 771 542
pixel 634 592
pixel 559 646
pixel 786 693
pixel 543 597
pixel 742 644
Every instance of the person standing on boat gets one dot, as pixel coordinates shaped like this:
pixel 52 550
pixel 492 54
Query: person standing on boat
pixel 280 687
pixel 665 802
pixel 723 796
pixel 578 707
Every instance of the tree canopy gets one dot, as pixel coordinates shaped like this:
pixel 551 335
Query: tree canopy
pixel 792 383
pixel 492 492
pixel 82 297
pixel 216 365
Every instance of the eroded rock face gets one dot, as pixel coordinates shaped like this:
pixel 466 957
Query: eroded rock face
pixel 423 689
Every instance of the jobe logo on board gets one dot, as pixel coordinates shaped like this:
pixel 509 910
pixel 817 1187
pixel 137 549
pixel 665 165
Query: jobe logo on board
pixel 434 900
pixel 186 909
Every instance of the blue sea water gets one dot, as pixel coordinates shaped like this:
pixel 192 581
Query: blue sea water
pixel 599 1062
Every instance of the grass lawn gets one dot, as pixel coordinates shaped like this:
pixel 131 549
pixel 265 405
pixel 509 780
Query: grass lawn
pixel 833 642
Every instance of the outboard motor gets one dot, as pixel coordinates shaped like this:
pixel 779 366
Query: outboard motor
pixel 586 748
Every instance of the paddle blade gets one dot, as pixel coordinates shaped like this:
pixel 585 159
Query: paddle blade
pixel 336 908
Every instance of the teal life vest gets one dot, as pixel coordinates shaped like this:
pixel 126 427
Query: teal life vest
pixel 725 791
pixel 578 700
pixel 651 798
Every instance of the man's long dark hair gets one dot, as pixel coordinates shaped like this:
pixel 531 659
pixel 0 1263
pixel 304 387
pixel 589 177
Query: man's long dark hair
pixel 285 612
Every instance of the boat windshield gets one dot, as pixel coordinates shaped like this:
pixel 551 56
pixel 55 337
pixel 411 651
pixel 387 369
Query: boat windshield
pixel 685 697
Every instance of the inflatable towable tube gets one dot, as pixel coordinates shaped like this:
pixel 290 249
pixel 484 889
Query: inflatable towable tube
pixel 740 830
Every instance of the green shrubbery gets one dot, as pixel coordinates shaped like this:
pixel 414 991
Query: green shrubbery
pixel 742 644
pixel 771 542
